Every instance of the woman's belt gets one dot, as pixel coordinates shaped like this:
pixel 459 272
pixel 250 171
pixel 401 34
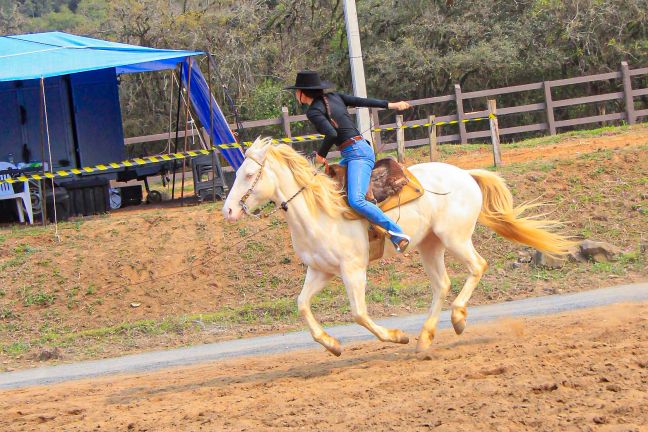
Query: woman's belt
pixel 346 143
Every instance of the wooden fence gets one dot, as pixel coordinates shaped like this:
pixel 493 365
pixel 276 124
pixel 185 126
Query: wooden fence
pixel 546 106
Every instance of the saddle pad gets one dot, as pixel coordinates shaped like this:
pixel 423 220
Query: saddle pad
pixel 411 191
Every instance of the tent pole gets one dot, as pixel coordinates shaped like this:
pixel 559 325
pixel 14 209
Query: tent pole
pixel 41 183
pixel 51 165
pixel 171 87
pixel 211 129
pixel 187 102
pixel 177 131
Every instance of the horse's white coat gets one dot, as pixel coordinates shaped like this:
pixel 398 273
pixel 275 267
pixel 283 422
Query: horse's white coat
pixel 338 247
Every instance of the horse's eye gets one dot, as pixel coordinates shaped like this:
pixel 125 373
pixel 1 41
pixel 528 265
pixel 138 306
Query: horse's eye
pixel 249 176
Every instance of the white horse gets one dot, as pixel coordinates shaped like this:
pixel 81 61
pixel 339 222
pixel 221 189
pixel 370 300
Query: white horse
pixel 331 245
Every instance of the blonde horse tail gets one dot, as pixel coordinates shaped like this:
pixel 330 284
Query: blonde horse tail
pixel 499 214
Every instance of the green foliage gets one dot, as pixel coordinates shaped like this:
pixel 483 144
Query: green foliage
pixel 20 254
pixel 7 314
pixel 412 49
pixel 16 348
pixel 40 298
pixel 267 99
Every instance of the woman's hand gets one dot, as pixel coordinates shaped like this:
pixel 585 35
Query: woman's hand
pixel 315 158
pixel 320 159
pixel 399 106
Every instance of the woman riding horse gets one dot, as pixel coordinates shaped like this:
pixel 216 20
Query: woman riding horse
pixel 328 113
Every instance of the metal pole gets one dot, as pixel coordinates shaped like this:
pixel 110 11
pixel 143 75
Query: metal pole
pixel 42 186
pixel 186 137
pixel 357 67
pixel 211 130
pixel 177 131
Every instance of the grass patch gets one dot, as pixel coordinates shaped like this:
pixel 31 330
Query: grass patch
pixel 16 348
pixel 614 268
pixel 456 284
pixel 40 298
pixel 21 252
pixel 7 314
pixel 29 231
pixel 280 310
pixel 546 274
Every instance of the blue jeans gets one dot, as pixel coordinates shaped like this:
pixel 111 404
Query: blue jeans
pixel 359 160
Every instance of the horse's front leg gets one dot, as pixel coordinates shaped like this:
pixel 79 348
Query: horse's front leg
pixel 355 281
pixel 314 282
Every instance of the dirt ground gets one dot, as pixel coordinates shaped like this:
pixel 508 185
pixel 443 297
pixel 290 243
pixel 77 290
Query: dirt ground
pixel 579 371
pixel 566 148
pixel 148 278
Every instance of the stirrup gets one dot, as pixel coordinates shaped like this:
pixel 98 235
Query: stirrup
pixel 402 244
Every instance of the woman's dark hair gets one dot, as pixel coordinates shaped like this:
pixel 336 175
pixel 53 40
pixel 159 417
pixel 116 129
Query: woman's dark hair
pixel 314 94
pixel 319 94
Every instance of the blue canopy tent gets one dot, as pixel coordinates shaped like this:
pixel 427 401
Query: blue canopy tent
pixel 82 99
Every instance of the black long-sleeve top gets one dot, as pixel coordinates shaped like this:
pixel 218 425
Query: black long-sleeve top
pixel 346 128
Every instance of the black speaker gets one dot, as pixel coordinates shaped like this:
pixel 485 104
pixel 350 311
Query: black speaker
pixel 63 206
pixel 131 195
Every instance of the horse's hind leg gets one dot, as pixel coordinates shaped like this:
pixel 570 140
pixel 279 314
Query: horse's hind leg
pixel 432 251
pixel 466 253
pixel 314 282
pixel 355 282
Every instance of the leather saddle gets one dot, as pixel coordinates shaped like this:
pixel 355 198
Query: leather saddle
pixel 391 186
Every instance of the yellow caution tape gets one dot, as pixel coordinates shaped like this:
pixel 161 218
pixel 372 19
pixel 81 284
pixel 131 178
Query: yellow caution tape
pixel 193 153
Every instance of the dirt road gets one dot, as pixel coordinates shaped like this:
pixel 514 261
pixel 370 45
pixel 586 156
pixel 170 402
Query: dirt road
pixel 578 371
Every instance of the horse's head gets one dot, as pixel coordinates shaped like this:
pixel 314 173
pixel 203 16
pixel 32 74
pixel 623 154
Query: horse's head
pixel 255 182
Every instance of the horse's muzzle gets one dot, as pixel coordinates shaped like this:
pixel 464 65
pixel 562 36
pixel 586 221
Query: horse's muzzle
pixel 232 215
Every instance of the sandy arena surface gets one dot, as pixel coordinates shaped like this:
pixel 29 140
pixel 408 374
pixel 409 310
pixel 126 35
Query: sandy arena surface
pixel 586 370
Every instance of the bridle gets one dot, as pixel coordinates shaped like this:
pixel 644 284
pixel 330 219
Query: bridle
pixel 258 212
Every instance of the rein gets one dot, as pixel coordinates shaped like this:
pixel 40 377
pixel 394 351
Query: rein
pixel 258 213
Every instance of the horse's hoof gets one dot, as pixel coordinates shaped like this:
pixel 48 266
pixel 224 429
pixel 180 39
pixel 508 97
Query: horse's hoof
pixel 332 345
pixel 399 336
pixel 458 319
pixel 424 341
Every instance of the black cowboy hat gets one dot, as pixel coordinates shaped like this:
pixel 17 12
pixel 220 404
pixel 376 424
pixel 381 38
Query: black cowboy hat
pixel 309 80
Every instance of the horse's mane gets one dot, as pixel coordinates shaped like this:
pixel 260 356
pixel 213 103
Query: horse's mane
pixel 320 192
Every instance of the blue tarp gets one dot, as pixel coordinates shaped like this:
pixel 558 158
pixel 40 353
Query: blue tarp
pixel 33 56
pixel 51 54
pixel 221 133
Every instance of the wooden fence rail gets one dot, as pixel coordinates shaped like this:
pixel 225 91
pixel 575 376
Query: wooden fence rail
pixel 545 107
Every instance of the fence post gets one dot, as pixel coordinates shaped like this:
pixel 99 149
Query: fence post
pixel 494 129
pixel 375 124
pixel 285 121
pixel 551 121
pixel 627 92
pixel 460 115
pixel 400 139
pixel 432 134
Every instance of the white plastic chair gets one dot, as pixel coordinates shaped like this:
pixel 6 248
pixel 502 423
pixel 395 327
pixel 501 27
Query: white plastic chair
pixel 7 192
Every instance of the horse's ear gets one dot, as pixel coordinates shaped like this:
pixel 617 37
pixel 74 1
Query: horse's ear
pixel 266 143
pixel 260 146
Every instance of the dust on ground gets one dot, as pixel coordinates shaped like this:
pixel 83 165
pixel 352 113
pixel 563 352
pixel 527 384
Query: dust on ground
pixel 585 370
